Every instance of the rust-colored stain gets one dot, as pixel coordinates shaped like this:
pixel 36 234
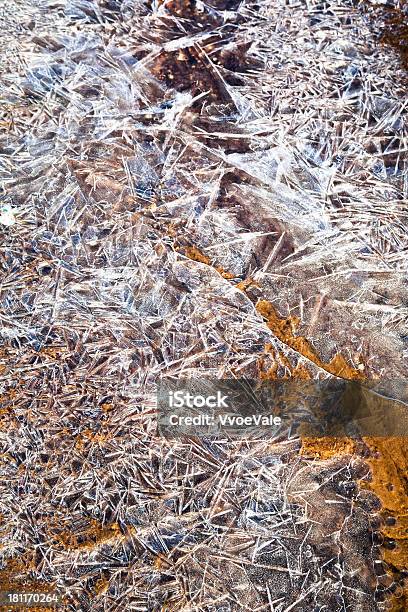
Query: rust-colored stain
pixel 285 330
pixel 101 586
pixel 246 284
pixel 107 408
pixel 193 253
pixel 326 448
pixel 93 536
pixel 161 562
pixel 299 372
pixel 389 466
pixel 91 436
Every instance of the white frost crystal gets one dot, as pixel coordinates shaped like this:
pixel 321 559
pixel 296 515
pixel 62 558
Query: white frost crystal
pixel 7 215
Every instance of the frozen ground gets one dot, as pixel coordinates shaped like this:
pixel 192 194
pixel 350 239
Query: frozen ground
pixel 197 189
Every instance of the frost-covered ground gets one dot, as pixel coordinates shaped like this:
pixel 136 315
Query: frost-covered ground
pixel 190 189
